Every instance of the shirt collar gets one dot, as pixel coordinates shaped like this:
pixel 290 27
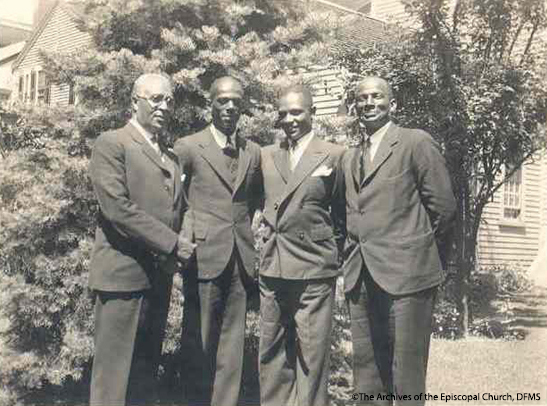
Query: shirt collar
pixel 379 134
pixel 151 138
pixel 302 142
pixel 221 138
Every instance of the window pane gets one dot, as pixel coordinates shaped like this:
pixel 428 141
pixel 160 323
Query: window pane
pixel 43 88
pixel 512 198
pixel 33 86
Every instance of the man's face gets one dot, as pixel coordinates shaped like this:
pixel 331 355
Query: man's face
pixel 153 103
pixel 227 104
pixel 374 103
pixel 295 115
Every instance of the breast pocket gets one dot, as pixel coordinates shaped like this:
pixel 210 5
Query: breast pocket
pixel 401 188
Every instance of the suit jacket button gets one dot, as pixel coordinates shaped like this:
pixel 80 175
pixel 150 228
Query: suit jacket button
pixel 363 239
pixel 301 235
pixel 276 206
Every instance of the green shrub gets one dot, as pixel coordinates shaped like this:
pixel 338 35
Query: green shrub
pixel 47 213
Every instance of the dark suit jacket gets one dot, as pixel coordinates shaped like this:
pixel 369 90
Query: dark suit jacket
pixel 221 213
pixel 299 223
pixel 141 207
pixel 399 216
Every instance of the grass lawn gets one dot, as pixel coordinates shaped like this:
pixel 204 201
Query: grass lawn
pixel 482 366
pixel 479 366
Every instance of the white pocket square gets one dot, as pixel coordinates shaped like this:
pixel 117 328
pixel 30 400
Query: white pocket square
pixel 323 170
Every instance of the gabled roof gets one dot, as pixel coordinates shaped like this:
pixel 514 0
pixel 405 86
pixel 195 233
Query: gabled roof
pixel 357 29
pixel 35 34
pixel 349 6
pixel 13 31
pixel 11 50
pixel 74 9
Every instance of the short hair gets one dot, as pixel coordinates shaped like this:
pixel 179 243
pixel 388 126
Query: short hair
pixel 141 80
pixel 384 80
pixel 214 86
pixel 298 89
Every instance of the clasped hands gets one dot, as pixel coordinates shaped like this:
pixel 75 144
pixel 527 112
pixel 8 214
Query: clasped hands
pixel 184 249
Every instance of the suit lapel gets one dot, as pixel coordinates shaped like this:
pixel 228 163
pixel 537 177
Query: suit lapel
pixel 313 156
pixel 211 152
pixel 244 161
pixel 385 149
pixel 178 183
pixel 281 162
pixel 145 146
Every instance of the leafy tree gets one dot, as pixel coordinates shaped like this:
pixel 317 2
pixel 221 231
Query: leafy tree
pixel 470 74
pixel 47 207
pixel 195 42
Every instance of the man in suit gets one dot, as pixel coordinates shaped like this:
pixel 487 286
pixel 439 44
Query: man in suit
pixel 400 206
pixel 138 185
pixel 299 261
pixel 224 184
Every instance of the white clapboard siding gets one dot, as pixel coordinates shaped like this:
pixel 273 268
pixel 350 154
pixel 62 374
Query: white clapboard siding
pixel 543 193
pixel 501 241
pixel 57 32
pixel 326 87
pixel 389 10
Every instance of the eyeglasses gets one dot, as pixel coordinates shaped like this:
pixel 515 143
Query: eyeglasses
pixel 157 99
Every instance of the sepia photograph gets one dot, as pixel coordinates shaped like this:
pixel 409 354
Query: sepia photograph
pixel 273 202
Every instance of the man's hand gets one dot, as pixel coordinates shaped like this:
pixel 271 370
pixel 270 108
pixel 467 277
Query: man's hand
pixel 185 249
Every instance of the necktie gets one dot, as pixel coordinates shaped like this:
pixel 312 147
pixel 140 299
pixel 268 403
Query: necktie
pixel 156 145
pixel 292 155
pixel 366 162
pixel 231 154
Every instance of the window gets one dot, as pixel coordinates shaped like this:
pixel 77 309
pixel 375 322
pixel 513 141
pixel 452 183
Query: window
pixel 21 88
pixel 512 196
pixel 27 80
pixel 43 88
pixel 71 95
pixel 33 86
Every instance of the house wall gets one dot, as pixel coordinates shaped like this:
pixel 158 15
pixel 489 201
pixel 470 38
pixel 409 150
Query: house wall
pixel 59 34
pixel 326 86
pixel 7 81
pixel 389 10
pixel 503 241
pixel 500 241
pixel 543 187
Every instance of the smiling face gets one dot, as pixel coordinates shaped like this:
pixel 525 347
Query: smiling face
pixel 227 100
pixel 375 103
pixel 295 113
pixel 153 102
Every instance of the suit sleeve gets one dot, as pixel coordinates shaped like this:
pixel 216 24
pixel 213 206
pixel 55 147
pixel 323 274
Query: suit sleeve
pixel 182 150
pixel 338 205
pixel 435 187
pixel 257 191
pixel 107 172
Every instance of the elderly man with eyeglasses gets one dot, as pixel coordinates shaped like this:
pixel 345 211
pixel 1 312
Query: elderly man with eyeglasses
pixel 138 185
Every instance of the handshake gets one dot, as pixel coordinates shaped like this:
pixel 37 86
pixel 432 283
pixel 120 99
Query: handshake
pixel 184 249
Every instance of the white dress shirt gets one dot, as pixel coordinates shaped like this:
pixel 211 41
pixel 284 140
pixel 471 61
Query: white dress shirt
pixel 297 149
pixel 221 138
pixel 376 139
